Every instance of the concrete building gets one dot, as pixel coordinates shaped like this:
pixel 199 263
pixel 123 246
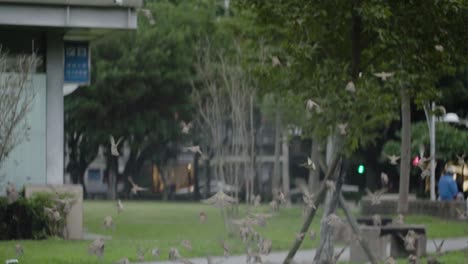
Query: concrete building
pixel 59 31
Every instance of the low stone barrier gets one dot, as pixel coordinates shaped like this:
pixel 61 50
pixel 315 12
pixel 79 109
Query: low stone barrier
pixel 442 209
pixel 74 227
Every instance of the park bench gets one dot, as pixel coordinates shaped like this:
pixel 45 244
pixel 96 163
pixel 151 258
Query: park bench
pixel 367 220
pixel 397 246
pixel 378 238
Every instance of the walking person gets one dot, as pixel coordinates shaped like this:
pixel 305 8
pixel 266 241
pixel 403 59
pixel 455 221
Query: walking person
pixel 448 189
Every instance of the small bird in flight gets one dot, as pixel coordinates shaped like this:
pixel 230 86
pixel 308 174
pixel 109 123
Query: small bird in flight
pixel 194 149
pixel 115 146
pixel 120 206
pixel 311 105
pixel 147 13
pixel 275 61
pixel 135 187
pixel 384 179
pixel 384 75
pixel 393 159
pixel 343 128
pixel 375 196
pixel 310 165
pixel 186 127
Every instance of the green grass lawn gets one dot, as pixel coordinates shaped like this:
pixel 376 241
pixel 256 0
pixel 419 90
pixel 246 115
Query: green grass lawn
pixel 165 225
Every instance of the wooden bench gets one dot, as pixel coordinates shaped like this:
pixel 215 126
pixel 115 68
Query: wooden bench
pixel 367 220
pixel 397 246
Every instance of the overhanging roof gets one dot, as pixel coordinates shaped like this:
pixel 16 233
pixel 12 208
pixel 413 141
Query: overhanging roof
pixel 70 14
pixel 102 3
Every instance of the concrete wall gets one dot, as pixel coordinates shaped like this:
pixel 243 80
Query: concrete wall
pixel 26 163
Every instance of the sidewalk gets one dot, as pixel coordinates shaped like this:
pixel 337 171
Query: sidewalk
pixel 305 256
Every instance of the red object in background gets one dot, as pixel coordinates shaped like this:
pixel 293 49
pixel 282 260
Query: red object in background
pixel 416 161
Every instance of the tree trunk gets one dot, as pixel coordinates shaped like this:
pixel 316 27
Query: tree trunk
pixel 325 252
pixel 196 187
pixel 314 175
pixel 285 173
pixel 207 179
pixel 276 174
pixel 405 158
pixel 318 200
pixel 429 110
pixel 112 178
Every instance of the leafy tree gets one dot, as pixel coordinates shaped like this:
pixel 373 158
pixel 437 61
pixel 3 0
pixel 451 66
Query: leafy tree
pixel 450 141
pixel 334 42
pixel 141 79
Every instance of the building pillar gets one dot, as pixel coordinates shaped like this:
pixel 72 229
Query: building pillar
pixel 55 110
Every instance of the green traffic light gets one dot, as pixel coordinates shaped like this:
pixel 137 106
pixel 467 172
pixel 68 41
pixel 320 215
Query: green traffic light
pixel 360 169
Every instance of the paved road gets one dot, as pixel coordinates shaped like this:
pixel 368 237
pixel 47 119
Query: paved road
pixel 304 256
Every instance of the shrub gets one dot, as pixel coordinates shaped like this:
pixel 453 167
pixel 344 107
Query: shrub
pixel 27 219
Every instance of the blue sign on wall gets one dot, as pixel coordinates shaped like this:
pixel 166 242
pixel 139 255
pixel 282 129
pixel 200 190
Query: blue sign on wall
pixel 77 62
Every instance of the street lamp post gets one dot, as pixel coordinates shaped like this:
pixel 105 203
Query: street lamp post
pixel 429 111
